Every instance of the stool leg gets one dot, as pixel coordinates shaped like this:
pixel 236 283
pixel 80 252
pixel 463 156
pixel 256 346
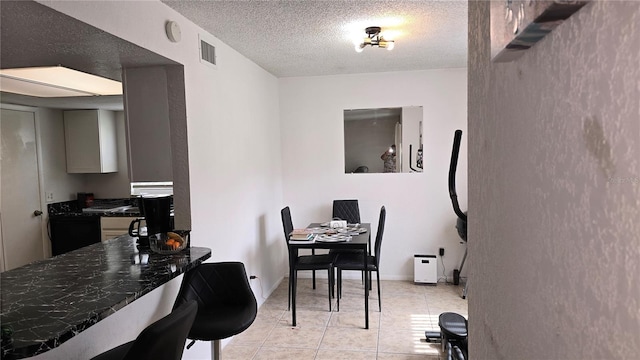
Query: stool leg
pixel 216 353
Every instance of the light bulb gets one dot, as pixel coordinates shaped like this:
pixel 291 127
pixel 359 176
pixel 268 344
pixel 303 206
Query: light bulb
pixel 390 45
pixel 359 48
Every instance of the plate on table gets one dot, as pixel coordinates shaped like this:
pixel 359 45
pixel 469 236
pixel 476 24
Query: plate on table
pixel 355 230
pixel 317 230
pixel 333 238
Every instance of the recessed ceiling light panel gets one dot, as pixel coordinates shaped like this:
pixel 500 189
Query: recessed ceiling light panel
pixel 56 81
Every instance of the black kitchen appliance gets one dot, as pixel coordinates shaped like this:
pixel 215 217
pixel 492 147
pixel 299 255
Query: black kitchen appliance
pixel 85 200
pixel 157 216
pixel 71 232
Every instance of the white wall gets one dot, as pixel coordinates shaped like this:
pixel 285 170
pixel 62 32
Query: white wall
pixel 64 186
pixel 420 218
pixel 554 190
pixel 233 135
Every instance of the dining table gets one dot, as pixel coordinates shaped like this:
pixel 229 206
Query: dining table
pixel 358 241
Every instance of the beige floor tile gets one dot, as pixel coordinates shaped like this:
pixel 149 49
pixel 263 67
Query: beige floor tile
pixel 407 305
pixel 400 288
pixel 336 338
pixel 295 337
pixel 407 320
pixel 233 352
pixel 345 355
pixel 401 341
pixel 306 318
pixel 355 303
pixel 396 333
pixel 436 311
pixel 257 333
pixel 353 319
pixel 318 301
pixel 269 353
pixel 387 356
pixel 267 314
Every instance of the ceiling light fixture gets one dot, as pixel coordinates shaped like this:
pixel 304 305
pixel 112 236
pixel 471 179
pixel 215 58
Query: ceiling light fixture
pixel 374 38
pixel 56 81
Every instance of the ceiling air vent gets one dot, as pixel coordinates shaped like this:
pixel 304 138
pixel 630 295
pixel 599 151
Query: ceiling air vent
pixel 207 53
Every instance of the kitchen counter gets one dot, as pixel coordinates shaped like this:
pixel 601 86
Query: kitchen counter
pixel 70 208
pixel 46 303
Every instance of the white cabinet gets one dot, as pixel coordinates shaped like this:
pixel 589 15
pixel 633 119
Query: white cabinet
pixel 111 226
pixel 90 141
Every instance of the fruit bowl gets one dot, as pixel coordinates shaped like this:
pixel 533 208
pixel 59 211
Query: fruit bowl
pixel 169 243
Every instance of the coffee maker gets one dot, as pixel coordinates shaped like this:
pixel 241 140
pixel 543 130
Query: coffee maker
pixel 157 216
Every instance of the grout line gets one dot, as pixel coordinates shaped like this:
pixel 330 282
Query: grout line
pixel 269 334
pixel 322 337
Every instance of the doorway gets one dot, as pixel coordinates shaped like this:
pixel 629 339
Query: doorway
pixel 21 231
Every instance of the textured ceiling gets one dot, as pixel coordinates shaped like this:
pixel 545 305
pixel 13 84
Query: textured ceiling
pixel 287 38
pixel 34 35
pixel 309 38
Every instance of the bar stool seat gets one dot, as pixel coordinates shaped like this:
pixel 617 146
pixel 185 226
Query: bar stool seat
pixel 164 339
pixel 226 303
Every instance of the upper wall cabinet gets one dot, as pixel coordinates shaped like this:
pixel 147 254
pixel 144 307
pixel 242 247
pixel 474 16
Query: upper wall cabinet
pixel 90 141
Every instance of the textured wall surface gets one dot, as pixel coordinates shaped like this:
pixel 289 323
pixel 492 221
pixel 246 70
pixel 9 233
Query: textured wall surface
pixel 554 190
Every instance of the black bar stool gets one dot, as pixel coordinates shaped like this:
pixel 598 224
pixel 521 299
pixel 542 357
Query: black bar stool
pixel 164 339
pixel 226 303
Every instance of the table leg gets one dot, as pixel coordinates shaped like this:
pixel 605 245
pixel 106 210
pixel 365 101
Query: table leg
pixel 366 292
pixel 292 277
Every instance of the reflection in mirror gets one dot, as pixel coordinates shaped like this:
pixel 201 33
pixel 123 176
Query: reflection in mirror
pixel 384 140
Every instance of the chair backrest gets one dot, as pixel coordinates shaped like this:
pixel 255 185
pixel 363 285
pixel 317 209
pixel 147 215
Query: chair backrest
pixel 165 338
pixel 347 210
pixel 215 285
pixel 287 223
pixel 378 244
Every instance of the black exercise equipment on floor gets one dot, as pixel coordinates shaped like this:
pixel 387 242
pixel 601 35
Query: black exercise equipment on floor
pixel 453 327
pixel 452 335
pixel 461 223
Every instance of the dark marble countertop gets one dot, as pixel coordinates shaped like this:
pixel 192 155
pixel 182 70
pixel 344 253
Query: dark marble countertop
pixel 102 214
pixel 70 208
pixel 45 303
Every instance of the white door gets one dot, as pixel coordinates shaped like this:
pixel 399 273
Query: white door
pixel 20 206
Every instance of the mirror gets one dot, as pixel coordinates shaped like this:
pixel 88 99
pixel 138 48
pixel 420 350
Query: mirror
pixel 383 140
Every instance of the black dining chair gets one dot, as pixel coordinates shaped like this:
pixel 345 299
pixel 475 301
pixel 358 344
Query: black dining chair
pixel 305 262
pixel 355 261
pixel 226 303
pixel 164 339
pixel 346 210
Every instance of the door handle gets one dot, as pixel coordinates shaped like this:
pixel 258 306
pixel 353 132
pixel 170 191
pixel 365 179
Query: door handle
pixel 37 213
